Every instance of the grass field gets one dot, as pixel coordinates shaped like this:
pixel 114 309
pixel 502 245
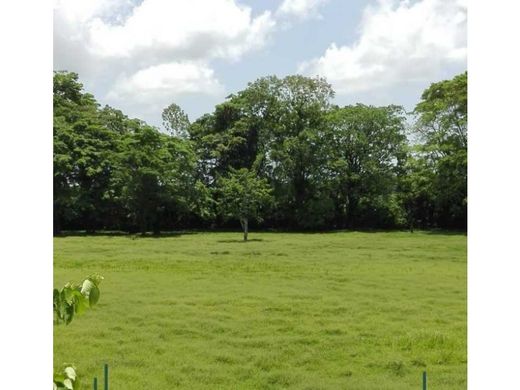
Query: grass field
pixel 344 310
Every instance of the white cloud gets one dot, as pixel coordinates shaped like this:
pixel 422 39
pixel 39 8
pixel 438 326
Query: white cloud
pixel 80 10
pixel 72 17
pixel 399 42
pixel 301 9
pixel 167 81
pixel 162 28
pixel 159 48
pixel 165 29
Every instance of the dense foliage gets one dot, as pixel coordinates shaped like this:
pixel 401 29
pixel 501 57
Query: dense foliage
pixel 323 166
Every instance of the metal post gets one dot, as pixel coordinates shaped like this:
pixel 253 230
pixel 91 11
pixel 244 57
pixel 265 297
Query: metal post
pixel 95 383
pixel 424 384
pixel 106 377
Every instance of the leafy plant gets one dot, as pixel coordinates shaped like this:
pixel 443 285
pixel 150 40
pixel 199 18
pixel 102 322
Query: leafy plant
pixel 66 379
pixel 73 299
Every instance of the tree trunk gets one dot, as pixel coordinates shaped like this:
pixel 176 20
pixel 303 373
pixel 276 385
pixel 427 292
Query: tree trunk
pixel 411 220
pixel 245 228
pixel 142 224
pixel 57 222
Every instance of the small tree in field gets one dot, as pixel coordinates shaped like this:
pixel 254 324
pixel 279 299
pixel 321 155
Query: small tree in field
pixel 244 196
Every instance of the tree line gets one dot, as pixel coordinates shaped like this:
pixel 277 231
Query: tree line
pixel 278 154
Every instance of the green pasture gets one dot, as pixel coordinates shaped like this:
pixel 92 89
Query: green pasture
pixel 345 310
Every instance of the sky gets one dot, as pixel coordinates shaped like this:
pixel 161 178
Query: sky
pixel 141 55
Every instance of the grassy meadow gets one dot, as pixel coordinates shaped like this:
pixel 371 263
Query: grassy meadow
pixel 345 310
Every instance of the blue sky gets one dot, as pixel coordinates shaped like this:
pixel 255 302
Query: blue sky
pixel 141 56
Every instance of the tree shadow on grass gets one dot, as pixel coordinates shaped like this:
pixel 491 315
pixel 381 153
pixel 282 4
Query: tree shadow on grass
pixel 241 241
pixel 179 233
pixel 446 232
pixel 132 236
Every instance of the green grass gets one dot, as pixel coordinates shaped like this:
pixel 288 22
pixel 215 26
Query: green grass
pixel 344 310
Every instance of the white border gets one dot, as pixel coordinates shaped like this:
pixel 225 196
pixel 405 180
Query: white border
pixel 26 194
pixel 494 195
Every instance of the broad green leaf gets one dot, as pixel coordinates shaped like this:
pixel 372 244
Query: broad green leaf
pixel 86 287
pixel 68 294
pixel 69 314
pixel 81 303
pixel 94 296
pixel 55 295
pixel 68 384
pixel 70 372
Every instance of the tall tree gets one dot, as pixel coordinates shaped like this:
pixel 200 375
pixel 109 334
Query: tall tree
pixel 274 127
pixel 416 190
pixel 175 121
pixel 443 115
pixel 156 175
pixel 83 151
pixel 367 152
pixel 442 127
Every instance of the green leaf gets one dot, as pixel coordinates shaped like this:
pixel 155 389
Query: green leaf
pixel 69 314
pixel 81 303
pixel 68 384
pixel 86 287
pixel 70 372
pixel 94 296
pixel 55 295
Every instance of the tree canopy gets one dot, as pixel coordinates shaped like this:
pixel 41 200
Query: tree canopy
pixel 243 196
pixel 175 121
pixel 322 166
pixel 442 118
